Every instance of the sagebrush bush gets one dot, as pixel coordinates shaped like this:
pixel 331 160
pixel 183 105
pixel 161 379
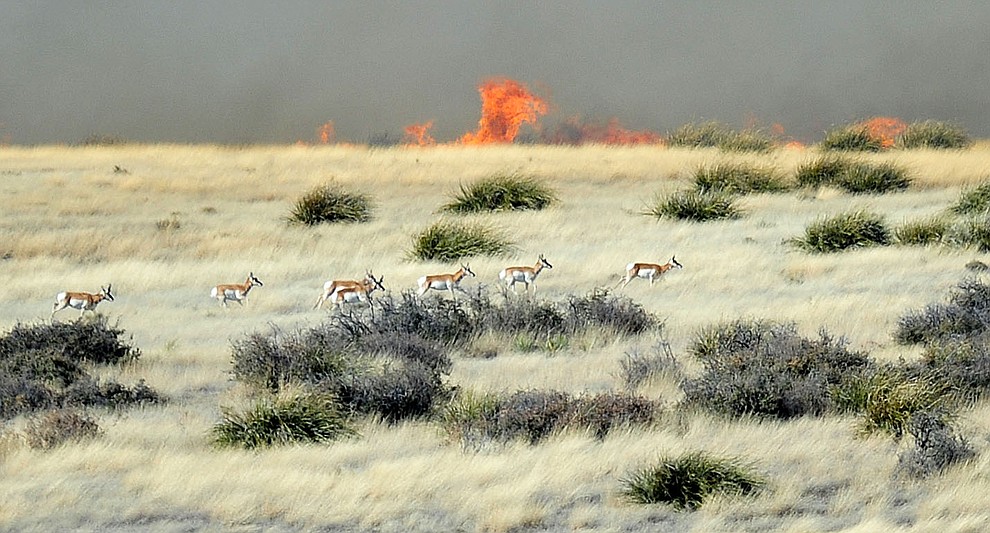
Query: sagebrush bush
pixel 973 201
pixel 90 339
pixel 276 359
pixel 962 364
pixel 823 171
pixel 59 427
pixel 503 192
pixel 839 232
pixel 601 309
pixel 932 134
pixel 637 368
pixel 694 206
pixel 330 203
pixel 448 241
pixel 854 138
pixel 297 418
pixel 936 446
pixel 686 481
pixel 933 230
pixel 763 368
pixel 738 178
pixel 966 314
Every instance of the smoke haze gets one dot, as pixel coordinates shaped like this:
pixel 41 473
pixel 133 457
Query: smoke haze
pixel 262 71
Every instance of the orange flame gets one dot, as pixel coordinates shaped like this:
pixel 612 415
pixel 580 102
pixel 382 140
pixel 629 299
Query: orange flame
pixel 505 106
pixel 884 129
pixel 419 134
pixel 574 131
pixel 326 132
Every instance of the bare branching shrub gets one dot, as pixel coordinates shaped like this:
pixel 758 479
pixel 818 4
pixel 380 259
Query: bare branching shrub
pixel 59 427
pixel 637 368
pixel 936 445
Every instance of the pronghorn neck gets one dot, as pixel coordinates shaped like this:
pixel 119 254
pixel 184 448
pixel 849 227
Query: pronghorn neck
pixel 459 275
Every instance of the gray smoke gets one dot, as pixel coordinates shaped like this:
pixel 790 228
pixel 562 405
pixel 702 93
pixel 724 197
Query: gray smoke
pixel 262 71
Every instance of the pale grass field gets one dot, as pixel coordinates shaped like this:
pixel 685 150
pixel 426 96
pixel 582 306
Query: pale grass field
pixel 69 222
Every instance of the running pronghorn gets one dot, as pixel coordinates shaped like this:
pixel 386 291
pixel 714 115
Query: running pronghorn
pixel 83 301
pixel 235 291
pixel 358 293
pixel 331 286
pixel 444 282
pixel 524 274
pixel 650 271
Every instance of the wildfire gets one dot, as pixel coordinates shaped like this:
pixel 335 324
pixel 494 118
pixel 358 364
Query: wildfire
pixel 505 106
pixel 419 134
pixel 885 129
pixel 326 133
pixel 574 131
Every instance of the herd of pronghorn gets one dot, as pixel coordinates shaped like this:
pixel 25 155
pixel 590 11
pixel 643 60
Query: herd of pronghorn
pixel 341 292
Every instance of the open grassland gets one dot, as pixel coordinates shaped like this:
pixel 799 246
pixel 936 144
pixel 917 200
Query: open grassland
pixel 164 224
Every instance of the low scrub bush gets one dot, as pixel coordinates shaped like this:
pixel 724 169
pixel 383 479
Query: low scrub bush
pixel 638 368
pixel 936 446
pixel 855 229
pixel 973 201
pixel 502 193
pixel 694 206
pixel 687 481
pixel 854 138
pixel 601 309
pixel 932 134
pixel 91 340
pixel 966 314
pixel 59 427
pixel 447 241
pixel 331 203
pixel 738 178
pixel 300 418
pixel 274 360
pixel 934 230
pixel 94 393
pixel 764 368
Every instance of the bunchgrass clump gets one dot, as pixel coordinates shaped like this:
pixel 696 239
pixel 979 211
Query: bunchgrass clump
pixel 873 178
pixel 293 419
pixel 974 201
pixel 694 206
pixel 893 397
pixel 716 135
pixel 503 192
pixel 935 135
pixel 330 203
pixel 738 178
pixel 927 232
pixel 823 171
pixel 449 241
pixel 59 427
pixel 854 138
pixel 688 480
pixel 856 229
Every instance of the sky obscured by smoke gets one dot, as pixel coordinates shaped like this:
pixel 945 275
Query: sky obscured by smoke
pixel 263 71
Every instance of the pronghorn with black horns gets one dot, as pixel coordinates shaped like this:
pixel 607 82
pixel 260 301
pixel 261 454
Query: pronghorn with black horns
pixel 331 286
pixel 83 301
pixel 357 293
pixel 444 282
pixel 524 274
pixel 650 271
pixel 235 291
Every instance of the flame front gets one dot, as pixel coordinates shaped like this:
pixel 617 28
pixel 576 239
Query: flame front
pixel 326 133
pixel 505 106
pixel 575 131
pixel 884 129
pixel 419 134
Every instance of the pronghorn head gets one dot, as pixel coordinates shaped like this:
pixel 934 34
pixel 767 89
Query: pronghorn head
pixel 106 292
pixel 543 261
pixel 253 280
pixel 371 283
pixel 467 270
pixel 674 263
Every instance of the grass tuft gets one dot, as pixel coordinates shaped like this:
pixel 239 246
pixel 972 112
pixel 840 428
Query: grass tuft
pixel 503 192
pixel 738 178
pixel 854 138
pixel 694 206
pixel 716 135
pixel 300 418
pixel 933 135
pixel 685 482
pixel 840 232
pixel 447 241
pixel 330 203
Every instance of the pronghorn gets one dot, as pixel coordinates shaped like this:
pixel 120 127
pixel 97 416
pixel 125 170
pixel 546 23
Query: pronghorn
pixel 235 291
pixel 359 293
pixel 524 274
pixel 442 282
pixel 331 286
pixel 650 271
pixel 83 301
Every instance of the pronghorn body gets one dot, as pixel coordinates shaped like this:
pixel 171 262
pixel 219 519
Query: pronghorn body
pixel 83 301
pixel 331 286
pixel 524 274
pixel 235 291
pixel 357 293
pixel 650 271
pixel 444 282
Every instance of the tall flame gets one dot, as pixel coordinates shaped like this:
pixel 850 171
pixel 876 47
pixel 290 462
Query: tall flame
pixel 505 106
pixel 884 129
pixel 419 134
pixel 575 131
pixel 326 133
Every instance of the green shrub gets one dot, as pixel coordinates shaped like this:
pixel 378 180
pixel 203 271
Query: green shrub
pixel 330 203
pixel 855 138
pixel 823 171
pixel 843 231
pixel 870 178
pixel 973 201
pixel 685 482
pixel 766 369
pixel 502 193
pixel 893 397
pixel 933 134
pixel 738 178
pixel 447 241
pixel 58 427
pixel 694 206
pixel 301 418
pixel 926 232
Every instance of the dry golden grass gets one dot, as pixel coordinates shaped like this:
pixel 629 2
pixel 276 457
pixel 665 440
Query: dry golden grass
pixel 184 218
